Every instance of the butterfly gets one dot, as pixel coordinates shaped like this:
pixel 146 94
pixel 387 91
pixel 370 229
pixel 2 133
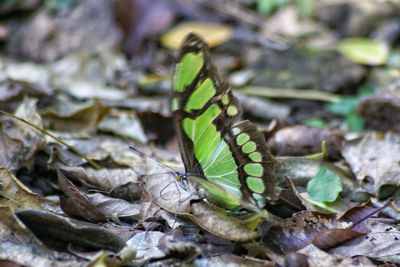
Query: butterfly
pixel 225 156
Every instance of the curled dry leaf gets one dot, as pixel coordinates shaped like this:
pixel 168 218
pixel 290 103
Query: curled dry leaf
pixel 22 247
pixel 76 203
pixel 18 196
pixel 60 231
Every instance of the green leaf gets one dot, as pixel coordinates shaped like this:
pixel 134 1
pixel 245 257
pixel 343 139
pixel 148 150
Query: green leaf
pixel 347 108
pixel 315 122
pixel 325 186
pixel 355 122
pixel 364 51
pixel 266 7
pixel 305 8
pixel 344 107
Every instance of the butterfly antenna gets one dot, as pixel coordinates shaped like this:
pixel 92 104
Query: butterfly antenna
pixel 152 158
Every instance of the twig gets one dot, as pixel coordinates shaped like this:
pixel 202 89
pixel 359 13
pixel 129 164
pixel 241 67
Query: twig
pixel 77 152
pixel 305 94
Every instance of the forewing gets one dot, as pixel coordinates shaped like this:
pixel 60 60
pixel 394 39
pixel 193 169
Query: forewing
pixel 205 113
pixel 204 108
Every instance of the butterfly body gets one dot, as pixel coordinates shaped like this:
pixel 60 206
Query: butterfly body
pixel 227 157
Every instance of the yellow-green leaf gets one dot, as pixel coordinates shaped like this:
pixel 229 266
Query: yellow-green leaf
pixel 364 51
pixel 212 33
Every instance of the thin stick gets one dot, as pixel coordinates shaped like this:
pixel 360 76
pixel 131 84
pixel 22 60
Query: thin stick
pixel 77 152
pixel 305 94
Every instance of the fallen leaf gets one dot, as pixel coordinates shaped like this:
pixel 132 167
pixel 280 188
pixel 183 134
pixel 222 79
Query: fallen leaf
pixel 130 191
pixel 364 51
pixel 298 231
pixel 213 34
pixel 321 229
pixel 22 247
pixel 76 203
pixel 31 139
pixel 374 160
pixel 59 231
pixel 104 179
pixel 71 116
pixel 382 243
pixel 114 207
pixel 146 245
pixel 18 196
pixel 216 221
pixel 325 186
pixel 125 124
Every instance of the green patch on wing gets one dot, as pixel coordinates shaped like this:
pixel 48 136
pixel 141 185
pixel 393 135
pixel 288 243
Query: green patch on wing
pixel 210 149
pixel 186 70
pixel 201 95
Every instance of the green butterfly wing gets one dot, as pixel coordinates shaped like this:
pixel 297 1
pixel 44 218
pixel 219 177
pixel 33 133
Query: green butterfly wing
pixel 205 111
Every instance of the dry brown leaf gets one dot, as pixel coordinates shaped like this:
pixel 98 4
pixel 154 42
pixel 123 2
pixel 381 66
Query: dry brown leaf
pixel 374 160
pixel 76 203
pixel 20 246
pixel 60 231
pixel 18 196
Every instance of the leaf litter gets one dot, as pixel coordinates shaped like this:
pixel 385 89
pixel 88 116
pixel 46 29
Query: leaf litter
pixel 101 84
